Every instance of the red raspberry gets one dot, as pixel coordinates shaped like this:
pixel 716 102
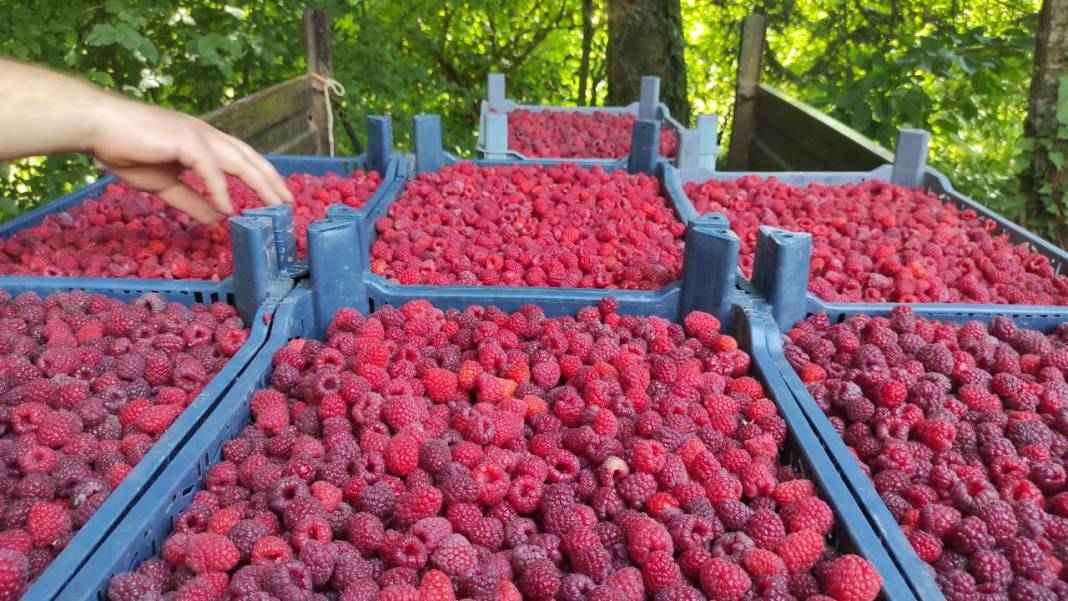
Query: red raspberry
pixel 440 384
pixel 927 545
pixel 211 553
pixel 454 555
pixel 14 572
pixel 48 523
pixel 646 536
pixel 417 503
pixel 539 581
pixel 270 550
pixel 811 513
pixel 762 563
pixel 801 549
pixel 660 571
pixel 724 581
pixel 402 454
pixel 851 578
pixel 436 586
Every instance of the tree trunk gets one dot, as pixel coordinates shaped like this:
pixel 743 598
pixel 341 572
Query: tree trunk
pixel 1044 179
pixel 587 46
pixel 645 38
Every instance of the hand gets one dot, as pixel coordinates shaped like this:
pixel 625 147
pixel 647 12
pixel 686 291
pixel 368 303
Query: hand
pixel 149 147
pixel 43 112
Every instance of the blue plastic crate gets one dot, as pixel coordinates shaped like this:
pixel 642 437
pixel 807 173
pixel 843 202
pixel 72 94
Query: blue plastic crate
pixel 709 265
pixel 49 584
pixel 141 535
pixel 909 169
pixel 381 158
pixel 493 131
pixel 1042 319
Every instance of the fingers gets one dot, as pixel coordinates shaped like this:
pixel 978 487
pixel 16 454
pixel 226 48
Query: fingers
pixel 247 166
pixel 275 181
pixel 183 198
pixel 208 166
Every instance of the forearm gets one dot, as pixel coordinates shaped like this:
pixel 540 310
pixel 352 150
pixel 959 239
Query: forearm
pixel 44 112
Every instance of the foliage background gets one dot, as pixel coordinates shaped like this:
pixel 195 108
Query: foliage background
pixel 956 67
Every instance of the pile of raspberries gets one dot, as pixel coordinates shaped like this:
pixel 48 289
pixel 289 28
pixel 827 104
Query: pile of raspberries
pixel 126 233
pixel 963 429
pixel 87 384
pixel 559 226
pixel 877 242
pixel 428 455
pixel 577 135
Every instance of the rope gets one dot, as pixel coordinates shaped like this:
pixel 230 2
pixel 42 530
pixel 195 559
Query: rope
pixel 330 85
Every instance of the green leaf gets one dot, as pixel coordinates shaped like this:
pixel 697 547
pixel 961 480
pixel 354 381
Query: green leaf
pixel 128 37
pixel 861 118
pixel 101 34
pixel 1057 158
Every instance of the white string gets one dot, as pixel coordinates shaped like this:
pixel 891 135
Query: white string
pixel 330 85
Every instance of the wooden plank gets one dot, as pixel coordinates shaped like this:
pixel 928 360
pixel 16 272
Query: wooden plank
pixel 303 144
pixel 750 60
pixel 780 153
pixel 249 116
pixel 280 134
pixel 823 140
pixel 320 65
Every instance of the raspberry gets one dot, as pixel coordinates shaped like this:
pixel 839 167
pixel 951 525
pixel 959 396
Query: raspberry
pixel 541 580
pixel 436 586
pixel 127 587
pixel 851 578
pixel 440 384
pixel 766 529
pixel 990 566
pixel 47 523
pixel 809 512
pixel 454 555
pixel 801 549
pixel 211 553
pixel 722 580
pixel 927 545
pixel 660 571
pixel 14 572
pixel 644 537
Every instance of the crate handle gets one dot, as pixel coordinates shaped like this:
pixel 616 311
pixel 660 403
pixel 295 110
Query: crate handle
pixel 644 147
pixel 252 243
pixel 336 271
pixel 780 272
pixel 285 242
pixel 495 90
pixel 649 97
pixel 910 157
pixel 496 136
pixel 709 266
pixel 429 155
pixel 379 142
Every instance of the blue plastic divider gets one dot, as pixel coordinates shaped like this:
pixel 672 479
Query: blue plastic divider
pixel 160 455
pixel 141 535
pixel 493 121
pixel 379 157
pixel 909 169
pixel 711 271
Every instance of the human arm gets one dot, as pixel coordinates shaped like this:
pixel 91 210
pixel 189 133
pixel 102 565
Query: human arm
pixel 43 112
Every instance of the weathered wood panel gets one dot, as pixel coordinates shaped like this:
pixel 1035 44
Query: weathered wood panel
pixel 750 57
pixel 271 118
pixel 792 135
